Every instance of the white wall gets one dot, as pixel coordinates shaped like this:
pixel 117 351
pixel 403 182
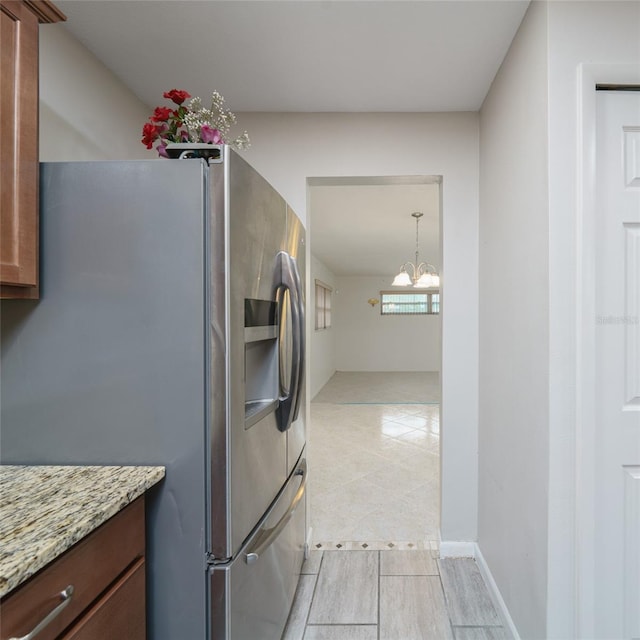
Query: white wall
pixel 322 364
pixel 86 113
pixel 514 336
pixel 369 341
pixel 288 148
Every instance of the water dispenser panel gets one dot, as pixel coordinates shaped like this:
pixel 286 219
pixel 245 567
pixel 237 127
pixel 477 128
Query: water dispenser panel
pixel 261 376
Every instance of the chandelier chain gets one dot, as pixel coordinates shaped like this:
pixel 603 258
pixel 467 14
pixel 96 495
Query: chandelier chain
pixel 417 215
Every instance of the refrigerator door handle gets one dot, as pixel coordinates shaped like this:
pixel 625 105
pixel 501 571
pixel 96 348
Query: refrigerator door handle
pixel 267 536
pixel 301 333
pixel 289 282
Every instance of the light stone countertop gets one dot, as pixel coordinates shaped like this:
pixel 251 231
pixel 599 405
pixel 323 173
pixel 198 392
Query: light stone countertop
pixel 44 510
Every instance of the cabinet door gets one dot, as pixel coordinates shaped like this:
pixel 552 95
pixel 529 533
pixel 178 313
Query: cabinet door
pixel 18 145
pixel 19 22
pixel 120 613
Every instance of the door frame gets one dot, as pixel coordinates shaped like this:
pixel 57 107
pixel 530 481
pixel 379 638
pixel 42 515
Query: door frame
pixel 364 180
pixel 589 75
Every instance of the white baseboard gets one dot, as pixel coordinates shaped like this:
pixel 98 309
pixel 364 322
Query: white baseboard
pixel 495 594
pixel 455 549
pixel 307 543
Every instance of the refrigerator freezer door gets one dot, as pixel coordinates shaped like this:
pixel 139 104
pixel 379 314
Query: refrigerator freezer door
pixel 251 598
pixel 248 223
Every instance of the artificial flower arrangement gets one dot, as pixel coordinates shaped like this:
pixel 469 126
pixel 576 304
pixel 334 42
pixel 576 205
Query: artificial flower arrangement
pixel 191 123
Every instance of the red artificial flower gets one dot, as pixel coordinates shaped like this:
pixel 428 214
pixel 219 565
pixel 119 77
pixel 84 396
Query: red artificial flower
pixel 161 114
pixel 178 96
pixel 149 134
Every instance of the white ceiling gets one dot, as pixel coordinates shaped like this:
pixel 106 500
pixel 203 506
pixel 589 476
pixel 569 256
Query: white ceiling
pixel 367 229
pixel 313 56
pixel 303 55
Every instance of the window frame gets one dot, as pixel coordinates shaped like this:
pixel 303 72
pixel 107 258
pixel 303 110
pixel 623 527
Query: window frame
pixel 322 320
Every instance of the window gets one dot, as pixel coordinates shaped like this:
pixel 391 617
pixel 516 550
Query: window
pixel 323 305
pixel 434 301
pixel 409 303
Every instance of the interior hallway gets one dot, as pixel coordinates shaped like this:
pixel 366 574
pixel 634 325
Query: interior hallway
pixel 373 571
pixel 374 459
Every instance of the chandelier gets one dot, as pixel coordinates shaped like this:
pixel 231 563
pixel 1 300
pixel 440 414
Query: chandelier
pixel 423 275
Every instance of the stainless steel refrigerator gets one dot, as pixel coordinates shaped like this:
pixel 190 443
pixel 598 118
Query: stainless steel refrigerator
pixel 170 330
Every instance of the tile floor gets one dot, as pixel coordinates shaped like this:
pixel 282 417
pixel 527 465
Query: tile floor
pixel 381 387
pixel 391 595
pixel 374 459
pixel 373 572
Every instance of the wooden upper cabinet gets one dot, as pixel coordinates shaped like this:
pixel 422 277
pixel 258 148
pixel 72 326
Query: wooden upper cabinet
pixel 19 20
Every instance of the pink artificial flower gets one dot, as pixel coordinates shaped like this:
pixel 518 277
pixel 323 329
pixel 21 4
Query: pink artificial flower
pixel 162 149
pixel 210 135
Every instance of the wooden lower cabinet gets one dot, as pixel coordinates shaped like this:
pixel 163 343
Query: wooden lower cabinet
pixel 120 613
pixel 107 572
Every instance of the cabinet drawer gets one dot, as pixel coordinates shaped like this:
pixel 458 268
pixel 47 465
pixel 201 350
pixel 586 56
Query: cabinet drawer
pixel 120 613
pixel 90 566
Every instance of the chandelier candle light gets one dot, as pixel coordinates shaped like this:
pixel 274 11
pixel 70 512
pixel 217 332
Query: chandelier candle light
pixel 423 275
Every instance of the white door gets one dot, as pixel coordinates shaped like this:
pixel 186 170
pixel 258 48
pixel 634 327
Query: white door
pixel 616 562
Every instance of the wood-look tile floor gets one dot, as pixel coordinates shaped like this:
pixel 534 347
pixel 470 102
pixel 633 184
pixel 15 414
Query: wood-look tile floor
pixel 392 595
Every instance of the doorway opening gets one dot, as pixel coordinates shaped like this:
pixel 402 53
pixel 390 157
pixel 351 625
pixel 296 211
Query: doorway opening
pixel 374 377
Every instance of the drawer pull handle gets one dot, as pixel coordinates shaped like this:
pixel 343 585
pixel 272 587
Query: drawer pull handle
pixel 267 536
pixel 65 596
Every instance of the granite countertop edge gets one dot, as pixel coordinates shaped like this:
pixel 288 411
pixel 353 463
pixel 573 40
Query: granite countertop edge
pixel 45 510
